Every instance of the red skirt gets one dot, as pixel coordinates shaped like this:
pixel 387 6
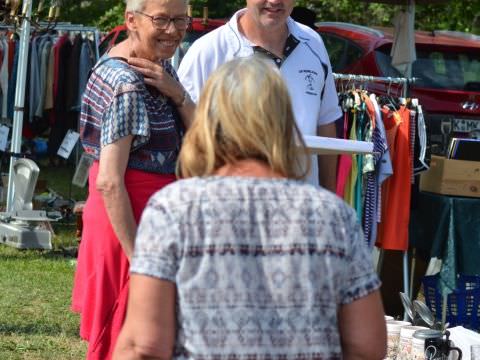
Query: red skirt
pixel 100 289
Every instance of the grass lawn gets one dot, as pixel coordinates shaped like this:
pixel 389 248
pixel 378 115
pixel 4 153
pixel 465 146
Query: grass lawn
pixel 35 287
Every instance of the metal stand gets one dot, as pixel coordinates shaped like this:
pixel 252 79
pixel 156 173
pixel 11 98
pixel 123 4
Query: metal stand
pixel 23 227
pixel 19 97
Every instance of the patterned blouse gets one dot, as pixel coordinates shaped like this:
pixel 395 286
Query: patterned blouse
pixel 261 266
pixel 117 103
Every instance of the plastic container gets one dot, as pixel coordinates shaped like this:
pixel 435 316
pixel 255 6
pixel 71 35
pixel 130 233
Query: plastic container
pixel 463 305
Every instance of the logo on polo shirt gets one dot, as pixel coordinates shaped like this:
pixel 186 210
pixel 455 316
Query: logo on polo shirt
pixel 310 78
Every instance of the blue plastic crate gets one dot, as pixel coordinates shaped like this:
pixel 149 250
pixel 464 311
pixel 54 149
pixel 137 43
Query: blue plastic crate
pixel 463 304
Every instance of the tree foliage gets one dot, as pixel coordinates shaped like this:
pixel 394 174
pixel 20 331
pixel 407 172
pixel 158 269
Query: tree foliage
pixel 461 15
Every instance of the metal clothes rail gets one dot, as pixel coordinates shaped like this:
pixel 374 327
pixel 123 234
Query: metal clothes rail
pixel 81 28
pixel 367 78
pixel 377 79
pixel 65 27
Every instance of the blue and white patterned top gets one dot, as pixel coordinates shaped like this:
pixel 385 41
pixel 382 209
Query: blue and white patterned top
pixel 117 103
pixel 261 266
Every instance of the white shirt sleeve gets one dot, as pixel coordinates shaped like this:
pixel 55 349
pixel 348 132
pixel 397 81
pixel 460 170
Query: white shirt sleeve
pixel 329 108
pixel 192 72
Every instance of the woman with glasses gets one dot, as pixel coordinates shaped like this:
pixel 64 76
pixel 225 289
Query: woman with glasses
pixel 133 115
pixel 241 260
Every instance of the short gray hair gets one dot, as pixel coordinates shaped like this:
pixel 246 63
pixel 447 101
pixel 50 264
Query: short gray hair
pixel 138 5
pixel 135 5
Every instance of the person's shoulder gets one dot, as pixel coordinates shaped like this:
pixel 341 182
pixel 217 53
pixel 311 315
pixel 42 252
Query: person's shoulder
pixel 118 75
pixel 302 31
pixel 305 33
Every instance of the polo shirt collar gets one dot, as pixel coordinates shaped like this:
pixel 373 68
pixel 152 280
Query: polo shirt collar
pixel 247 46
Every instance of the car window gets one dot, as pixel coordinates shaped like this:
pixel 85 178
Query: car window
pixel 438 69
pixel 122 35
pixel 105 44
pixel 342 52
pixel 384 62
pixel 447 69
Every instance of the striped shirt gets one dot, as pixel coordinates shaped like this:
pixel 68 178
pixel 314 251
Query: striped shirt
pixel 117 103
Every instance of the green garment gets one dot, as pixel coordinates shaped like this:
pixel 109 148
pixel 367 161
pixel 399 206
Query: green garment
pixel 448 228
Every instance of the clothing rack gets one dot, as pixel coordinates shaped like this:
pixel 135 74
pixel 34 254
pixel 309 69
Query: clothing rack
pixel 67 27
pixel 387 80
pixel 81 28
pixel 377 79
pixel 19 109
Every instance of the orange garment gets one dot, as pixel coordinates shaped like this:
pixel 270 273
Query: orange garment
pixel 393 230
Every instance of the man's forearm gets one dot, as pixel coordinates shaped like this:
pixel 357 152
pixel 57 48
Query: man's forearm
pixel 327 164
pixel 327 171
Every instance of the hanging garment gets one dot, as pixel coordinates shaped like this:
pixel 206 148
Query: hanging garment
pixel 393 230
pixel 86 63
pixel 34 82
pixel 413 131
pixel 72 74
pixel 383 168
pixel 345 160
pixel 4 77
pixel 44 54
pixel 49 86
pixel 59 122
pixel 403 48
pixel 422 156
pixel 349 196
pixel 370 169
pixel 12 85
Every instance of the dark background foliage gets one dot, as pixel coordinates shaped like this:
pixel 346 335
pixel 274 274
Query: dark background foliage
pixel 460 15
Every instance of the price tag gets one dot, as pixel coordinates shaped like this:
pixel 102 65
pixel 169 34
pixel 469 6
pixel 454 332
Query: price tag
pixel 81 172
pixel 68 144
pixel 4 131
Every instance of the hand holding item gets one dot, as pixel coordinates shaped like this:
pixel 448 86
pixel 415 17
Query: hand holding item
pixel 156 76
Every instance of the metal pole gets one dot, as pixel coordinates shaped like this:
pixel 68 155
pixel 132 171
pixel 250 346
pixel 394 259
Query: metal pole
pixel 19 96
pixel 405 279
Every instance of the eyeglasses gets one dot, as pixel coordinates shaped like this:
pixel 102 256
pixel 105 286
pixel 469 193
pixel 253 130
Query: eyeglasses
pixel 163 22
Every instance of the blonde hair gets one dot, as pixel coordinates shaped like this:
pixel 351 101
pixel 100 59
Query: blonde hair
pixel 244 112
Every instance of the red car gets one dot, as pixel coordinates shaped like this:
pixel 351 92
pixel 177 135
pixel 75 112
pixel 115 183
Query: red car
pixel 447 69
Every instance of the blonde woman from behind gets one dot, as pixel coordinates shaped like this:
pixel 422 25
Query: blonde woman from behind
pixel 241 258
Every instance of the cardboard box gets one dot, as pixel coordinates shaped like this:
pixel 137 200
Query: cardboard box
pixel 452 177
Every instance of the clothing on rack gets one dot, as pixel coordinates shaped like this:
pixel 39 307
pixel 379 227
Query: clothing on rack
pixel 54 80
pixel 378 185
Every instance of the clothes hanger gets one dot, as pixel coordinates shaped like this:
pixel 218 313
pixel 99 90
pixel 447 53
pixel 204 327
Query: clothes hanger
pixel 388 100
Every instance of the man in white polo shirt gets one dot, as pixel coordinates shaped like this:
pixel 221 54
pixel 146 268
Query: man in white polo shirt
pixel 265 27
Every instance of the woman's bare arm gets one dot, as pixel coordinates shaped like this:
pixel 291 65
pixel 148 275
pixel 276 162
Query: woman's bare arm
pixel 149 328
pixel 110 183
pixel 362 328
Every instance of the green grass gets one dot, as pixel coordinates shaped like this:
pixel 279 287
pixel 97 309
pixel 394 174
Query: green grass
pixel 59 179
pixel 35 317
pixel 35 290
